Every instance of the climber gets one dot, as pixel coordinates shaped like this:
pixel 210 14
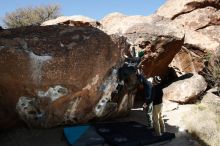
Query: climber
pixel 157 94
pixel 136 61
pixel 147 83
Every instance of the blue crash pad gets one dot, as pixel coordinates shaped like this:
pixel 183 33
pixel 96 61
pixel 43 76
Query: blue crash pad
pixel 73 133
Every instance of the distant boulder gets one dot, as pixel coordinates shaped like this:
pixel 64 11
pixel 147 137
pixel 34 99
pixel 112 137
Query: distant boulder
pixel 118 23
pixel 185 90
pixel 76 20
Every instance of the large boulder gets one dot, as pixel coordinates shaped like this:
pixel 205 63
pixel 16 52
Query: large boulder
pixel 118 23
pixel 185 90
pixel 56 75
pixel 201 33
pixel 160 37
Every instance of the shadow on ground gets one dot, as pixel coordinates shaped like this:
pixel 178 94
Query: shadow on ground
pixel 54 136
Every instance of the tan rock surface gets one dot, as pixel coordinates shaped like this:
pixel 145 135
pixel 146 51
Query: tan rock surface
pixel 186 90
pixel 186 61
pixel 200 20
pixel 177 8
pixel 75 20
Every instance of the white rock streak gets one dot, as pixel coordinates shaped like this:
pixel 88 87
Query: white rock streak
pixel 53 92
pixel 37 63
pixel 109 85
pixel 72 115
pixel 94 81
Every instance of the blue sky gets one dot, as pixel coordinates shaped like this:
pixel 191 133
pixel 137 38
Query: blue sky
pixel 95 9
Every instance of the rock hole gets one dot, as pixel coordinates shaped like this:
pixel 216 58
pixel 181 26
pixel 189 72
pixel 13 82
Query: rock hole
pixel 99 106
pixel 32 112
pixel 75 119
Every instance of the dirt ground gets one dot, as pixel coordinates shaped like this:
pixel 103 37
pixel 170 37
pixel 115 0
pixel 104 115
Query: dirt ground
pixel 54 136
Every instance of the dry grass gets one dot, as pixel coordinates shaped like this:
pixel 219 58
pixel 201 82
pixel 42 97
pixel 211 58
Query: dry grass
pixel 211 71
pixel 204 124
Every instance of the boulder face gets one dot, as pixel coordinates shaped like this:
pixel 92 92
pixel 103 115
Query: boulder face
pixel 186 61
pixel 186 89
pixel 58 74
pixel 158 45
pixel 201 33
pixel 157 35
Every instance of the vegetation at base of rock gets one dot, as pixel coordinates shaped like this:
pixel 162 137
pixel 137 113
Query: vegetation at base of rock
pixel 211 71
pixel 31 15
pixel 203 123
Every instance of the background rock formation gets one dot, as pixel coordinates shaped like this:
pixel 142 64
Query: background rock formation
pixel 159 36
pixel 76 20
pixel 201 21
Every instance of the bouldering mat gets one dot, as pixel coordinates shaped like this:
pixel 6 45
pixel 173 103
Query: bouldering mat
pixel 114 134
pixel 129 134
pixel 83 136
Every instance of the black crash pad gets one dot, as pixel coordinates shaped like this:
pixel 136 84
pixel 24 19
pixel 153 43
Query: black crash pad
pixel 113 134
pixel 130 134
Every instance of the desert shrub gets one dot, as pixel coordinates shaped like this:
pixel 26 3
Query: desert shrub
pixel 31 15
